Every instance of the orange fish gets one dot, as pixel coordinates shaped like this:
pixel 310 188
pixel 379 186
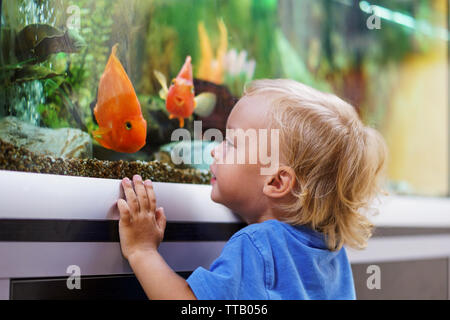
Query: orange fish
pixel 118 113
pixel 180 97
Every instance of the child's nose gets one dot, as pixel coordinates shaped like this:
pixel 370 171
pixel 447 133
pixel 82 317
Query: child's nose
pixel 214 151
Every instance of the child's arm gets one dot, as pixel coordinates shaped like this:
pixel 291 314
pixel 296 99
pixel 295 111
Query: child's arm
pixel 141 229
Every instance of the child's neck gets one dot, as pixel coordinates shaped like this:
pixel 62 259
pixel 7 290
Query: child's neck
pixel 268 214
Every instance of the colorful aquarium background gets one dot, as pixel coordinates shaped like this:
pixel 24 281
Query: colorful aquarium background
pixel 388 58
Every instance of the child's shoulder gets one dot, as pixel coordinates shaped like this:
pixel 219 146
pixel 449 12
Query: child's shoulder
pixel 271 231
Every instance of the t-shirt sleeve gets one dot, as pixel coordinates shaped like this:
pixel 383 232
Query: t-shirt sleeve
pixel 237 274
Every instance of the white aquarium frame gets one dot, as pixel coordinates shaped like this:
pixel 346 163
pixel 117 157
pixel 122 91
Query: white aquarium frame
pixel 46 196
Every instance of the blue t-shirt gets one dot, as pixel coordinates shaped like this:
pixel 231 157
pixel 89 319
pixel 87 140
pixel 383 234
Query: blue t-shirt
pixel 274 260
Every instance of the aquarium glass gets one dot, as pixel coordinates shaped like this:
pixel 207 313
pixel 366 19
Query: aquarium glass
pixel 387 58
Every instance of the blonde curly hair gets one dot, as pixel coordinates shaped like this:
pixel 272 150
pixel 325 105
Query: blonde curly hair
pixel 339 162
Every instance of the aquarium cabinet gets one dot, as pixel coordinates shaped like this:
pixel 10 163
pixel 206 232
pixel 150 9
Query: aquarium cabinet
pixel 55 227
pixel 51 225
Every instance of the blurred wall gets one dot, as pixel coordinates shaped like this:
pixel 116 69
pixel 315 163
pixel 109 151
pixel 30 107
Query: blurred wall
pixel 417 128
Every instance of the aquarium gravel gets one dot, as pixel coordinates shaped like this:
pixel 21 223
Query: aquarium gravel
pixel 20 159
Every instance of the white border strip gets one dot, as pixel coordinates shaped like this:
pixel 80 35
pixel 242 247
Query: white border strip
pixel 44 196
pixel 403 211
pixel 402 248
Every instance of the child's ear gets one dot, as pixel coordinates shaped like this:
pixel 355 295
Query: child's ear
pixel 281 183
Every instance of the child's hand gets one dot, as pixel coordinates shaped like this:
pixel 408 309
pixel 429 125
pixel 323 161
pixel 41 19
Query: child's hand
pixel 141 225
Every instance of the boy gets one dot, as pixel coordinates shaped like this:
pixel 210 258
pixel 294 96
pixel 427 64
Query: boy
pixel 300 215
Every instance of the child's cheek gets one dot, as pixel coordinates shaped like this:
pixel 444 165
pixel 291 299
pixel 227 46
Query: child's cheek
pixel 247 154
pixel 228 154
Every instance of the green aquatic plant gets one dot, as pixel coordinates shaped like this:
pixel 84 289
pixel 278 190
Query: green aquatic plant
pixel 51 116
pixel 30 73
pixel 60 109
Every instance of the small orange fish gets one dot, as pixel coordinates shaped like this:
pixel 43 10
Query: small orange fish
pixel 180 97
pixel 118 113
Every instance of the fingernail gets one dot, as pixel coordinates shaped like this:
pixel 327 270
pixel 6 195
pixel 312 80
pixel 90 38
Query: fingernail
pixel 137 178
pixel 126 181
pixel 148 183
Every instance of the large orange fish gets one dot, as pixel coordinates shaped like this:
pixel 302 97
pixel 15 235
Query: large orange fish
pixel 180 98
pixel 118 113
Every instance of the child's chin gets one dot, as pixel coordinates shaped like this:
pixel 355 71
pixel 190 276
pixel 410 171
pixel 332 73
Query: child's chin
pixel 214 196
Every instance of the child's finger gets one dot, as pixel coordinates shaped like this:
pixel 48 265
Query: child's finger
pixel 124 211
pixel 150 194
pixel 141 193
pixel 132 201
pixel 161 218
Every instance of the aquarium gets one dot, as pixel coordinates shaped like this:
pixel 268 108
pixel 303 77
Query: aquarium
pixel 62 63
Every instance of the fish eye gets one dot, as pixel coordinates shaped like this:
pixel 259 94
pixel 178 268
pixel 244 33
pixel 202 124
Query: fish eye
pixel 173 81
pixel 192 90
pixel 128 125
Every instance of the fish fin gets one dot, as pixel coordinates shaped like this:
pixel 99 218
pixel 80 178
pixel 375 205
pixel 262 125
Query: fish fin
pixel 100 132
pixel 95 111
pixel 186 70
pixel 205 104
pixel 181 120
pixel 163 94
pixel 98 136
pixel 114 49
pixel 163 81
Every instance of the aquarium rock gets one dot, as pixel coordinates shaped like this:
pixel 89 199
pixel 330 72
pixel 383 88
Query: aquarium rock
pixel 187 154
pixel 58 143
